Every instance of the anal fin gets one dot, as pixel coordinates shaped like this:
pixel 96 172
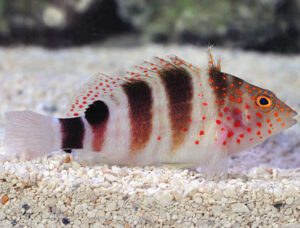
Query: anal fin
pixel 216 165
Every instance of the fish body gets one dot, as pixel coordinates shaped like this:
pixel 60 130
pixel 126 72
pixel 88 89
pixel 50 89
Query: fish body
pixel 168 111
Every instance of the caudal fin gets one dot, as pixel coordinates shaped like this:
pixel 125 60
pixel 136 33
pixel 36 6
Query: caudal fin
pixel 28 135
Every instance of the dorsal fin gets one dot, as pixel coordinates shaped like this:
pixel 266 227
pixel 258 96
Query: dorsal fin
pixel 100 87
pixel 104 87
pixel 211 61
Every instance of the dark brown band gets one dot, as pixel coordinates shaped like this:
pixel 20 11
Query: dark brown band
pixel 72 130
pixel 179 88
pixel 140 112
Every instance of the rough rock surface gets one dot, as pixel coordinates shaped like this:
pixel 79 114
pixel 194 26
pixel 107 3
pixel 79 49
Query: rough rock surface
pixel 262 189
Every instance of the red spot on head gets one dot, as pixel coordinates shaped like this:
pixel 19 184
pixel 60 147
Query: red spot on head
pixel 239 100
pixel 238 141
pixel 248 117
pixel 201 132
pixel 203 117
pixel 258 133
pixel 204 104
pixel 259 124
pixel 224 143
pixel 249 129
pixel 236 111
pixel 76 114
pixel 197 142
pixel 237 123
pixel 218 121
pixel 270 132
pixel 230 134
pixel 259 115
pixel 226 109
pixel 228 118
pixel 247 106
pixel 241 135
pixel 276 114
pixel 158 138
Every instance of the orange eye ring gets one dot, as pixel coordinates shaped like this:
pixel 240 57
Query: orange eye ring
pixel 264 101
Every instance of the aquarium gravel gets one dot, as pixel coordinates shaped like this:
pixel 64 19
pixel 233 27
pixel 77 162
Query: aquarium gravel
pixel 263 184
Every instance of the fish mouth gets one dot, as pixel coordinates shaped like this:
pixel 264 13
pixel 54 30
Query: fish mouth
pixel 292 120
pixel 293 113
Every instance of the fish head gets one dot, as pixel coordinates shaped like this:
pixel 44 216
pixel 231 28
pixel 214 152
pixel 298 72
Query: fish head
pixel 252 114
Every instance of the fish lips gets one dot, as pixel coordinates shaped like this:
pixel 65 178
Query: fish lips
pixel 291 120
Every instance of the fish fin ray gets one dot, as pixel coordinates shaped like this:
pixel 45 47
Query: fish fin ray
pixel 99 87
pixel 216 165
pixel 211 61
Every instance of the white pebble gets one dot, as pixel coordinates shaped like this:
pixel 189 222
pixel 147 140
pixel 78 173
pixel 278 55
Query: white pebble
pixel 91 214
pixel 289 201
pixel 164 198
pixel 239 208
pixel 111 206
pixel 277 192
pixel 230 192
pixel 2 216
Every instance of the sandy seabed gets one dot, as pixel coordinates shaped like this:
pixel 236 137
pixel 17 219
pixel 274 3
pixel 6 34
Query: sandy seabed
pixel 262 188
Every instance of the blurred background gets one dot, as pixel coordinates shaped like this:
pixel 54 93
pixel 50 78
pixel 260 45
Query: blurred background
pixel 262 25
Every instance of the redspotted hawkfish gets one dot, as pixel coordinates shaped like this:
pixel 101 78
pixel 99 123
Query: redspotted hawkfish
pixel 164 112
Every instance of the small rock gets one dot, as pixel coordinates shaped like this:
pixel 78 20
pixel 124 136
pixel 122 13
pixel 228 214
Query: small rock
pixel 111 206
pixel 197 198
pixel 65 221
pixel 165 198
pixel 51 202
pixel 2 216
pixel 110 178
pixel 277 192
pixel 14 222
pixel 25 206
pixel 4 199
pixel 217 210
pixel 91 214
pixel 175 217
pixel 278 205
pixel 239 208
pixel 230 192
pixel 289 201
pixel 67 159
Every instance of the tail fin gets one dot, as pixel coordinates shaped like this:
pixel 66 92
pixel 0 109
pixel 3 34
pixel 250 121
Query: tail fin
pixel 28 135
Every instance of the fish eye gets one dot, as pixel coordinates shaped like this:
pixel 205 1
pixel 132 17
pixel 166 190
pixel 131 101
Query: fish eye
pixel 264 101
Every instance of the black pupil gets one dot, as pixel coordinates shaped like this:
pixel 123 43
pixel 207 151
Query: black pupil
pixel 263 101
